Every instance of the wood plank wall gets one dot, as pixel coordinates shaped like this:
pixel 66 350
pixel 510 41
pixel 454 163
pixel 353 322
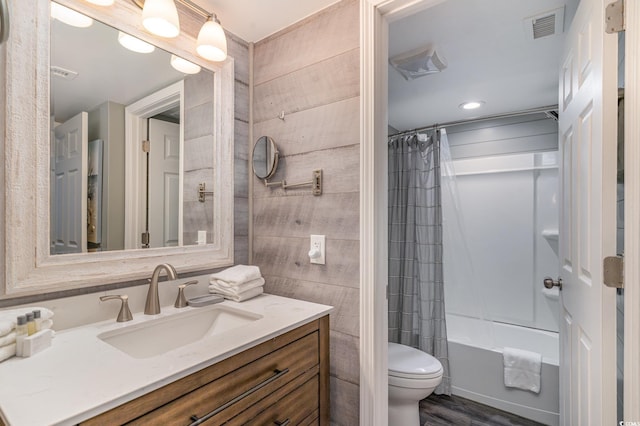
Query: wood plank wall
pixel 310 71
pixel 239 50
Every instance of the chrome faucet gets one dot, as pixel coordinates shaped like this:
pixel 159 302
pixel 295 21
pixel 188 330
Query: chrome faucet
pixel 152 307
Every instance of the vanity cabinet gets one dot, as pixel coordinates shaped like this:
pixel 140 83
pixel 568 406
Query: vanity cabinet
pixel 283 381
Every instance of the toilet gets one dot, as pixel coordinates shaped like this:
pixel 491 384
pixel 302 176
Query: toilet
pixel 413 375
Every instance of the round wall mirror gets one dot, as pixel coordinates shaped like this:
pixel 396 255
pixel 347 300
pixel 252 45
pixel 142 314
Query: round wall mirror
pixel 265 157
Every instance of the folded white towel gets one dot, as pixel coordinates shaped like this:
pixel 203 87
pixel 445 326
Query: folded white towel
pixel 225 288
pixel 7 352
pixel 46 324
pixel 522 369
pixel 8 317
pixel 241 297
pixel 8 339
pixel 237 274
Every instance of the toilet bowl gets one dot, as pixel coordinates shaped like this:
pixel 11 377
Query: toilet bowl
pixel 413 375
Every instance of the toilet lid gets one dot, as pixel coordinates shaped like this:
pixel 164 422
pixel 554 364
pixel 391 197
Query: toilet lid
pixel 405 361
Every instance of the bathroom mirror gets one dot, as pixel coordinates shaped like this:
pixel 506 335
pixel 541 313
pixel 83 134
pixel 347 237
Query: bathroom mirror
pixel 265 157
pixel 93 107
pixel 31 118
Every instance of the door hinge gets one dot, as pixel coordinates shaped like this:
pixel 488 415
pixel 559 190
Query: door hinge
pixel 614 17
pixel 613 271
pixel 145 239
pixel 146 146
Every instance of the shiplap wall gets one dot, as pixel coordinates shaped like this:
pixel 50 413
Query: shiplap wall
pixel 239 50
pixel 527 133
pixel 311 72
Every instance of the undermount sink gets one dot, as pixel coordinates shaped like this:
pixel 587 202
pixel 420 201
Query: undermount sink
pixel 158 336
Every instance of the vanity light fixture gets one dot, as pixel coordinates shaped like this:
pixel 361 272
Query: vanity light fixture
pixel 160 17
pixel 184 66
pixel 134 44
pixel 212 43
pixel 70 17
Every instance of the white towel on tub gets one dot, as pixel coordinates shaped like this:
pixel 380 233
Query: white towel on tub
pixel 522 369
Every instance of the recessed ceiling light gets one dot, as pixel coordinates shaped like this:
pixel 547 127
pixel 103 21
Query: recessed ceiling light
pixel 471 104
pixel 134 44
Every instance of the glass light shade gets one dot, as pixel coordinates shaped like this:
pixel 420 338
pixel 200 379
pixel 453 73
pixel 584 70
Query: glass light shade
pixel 70 17
pixel 184 66
pixel 160 17
pixel 134 44
pixel 102 2
pixel 212 43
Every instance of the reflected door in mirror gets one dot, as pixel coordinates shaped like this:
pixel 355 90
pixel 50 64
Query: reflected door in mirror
pixel 68 186
pixel 164 183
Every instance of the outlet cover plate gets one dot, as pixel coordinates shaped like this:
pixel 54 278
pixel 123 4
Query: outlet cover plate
pixel 318 242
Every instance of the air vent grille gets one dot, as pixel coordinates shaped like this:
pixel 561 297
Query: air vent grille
pixel 63 73
pixel 544 26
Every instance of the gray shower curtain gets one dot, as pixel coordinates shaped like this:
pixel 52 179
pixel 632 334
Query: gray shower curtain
pixel 416 287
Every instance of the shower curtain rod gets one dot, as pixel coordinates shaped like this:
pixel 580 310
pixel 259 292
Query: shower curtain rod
pixel 474 120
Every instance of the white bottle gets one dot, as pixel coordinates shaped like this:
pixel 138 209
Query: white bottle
pixel 21 333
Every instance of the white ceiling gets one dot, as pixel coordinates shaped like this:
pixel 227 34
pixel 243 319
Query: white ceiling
pixel 108 72
pixel 489 58
pixel 253 20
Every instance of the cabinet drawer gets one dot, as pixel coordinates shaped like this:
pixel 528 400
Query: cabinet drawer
pixel 295 408
pixel 298 357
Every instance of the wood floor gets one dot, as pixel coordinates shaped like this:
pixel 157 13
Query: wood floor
pixel 441 410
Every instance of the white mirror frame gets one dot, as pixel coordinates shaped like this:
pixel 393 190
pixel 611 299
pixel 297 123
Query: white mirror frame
pixel 24 156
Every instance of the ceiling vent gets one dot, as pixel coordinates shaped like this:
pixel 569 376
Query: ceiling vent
pixel 545 24
pixel 418 63
pixel 63 73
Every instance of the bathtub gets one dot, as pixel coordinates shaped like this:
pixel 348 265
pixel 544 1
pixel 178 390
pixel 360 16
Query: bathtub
pixel 477 368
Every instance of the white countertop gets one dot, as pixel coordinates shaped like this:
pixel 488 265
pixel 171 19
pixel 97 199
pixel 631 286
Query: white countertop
pixel 80 376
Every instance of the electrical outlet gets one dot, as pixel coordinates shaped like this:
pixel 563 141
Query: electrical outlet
pixel 316 249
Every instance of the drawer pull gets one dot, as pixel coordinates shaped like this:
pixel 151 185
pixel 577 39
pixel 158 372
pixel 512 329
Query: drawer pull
pixel 282 423
pixel 276 376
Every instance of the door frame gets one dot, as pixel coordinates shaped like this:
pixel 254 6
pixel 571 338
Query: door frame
pixel 375 16
pixel 135 117
pixel 632 214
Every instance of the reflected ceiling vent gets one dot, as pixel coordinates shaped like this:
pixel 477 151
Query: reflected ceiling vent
pixel 545 24
pixel 418 63
pixel 63 73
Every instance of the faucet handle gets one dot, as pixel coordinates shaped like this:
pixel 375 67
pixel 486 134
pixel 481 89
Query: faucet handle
pixel 181 301
pixel 125 313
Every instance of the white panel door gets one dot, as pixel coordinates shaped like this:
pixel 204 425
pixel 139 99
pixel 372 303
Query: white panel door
pixel 69 186
pixel 587 132
pixel 164 180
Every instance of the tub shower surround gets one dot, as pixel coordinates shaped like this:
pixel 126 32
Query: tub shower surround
pixel 510 225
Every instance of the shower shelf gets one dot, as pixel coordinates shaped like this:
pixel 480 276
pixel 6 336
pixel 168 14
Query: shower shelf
pixel 550 234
